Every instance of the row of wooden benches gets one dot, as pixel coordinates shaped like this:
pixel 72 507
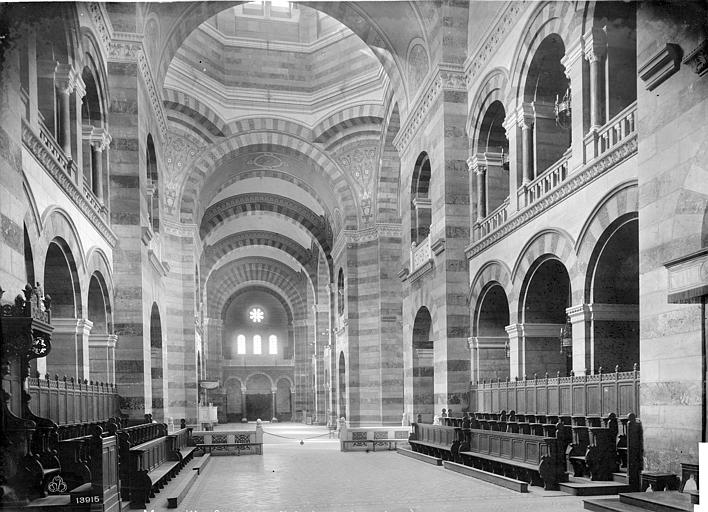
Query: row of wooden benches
pixel 592 446
pixel 112 463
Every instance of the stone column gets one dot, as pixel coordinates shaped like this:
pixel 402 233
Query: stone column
pixel 102 357
pixel 64 82
pixel 573 63
pixel 481 193
pixel 99 139
pixel 582 340
pixel 516 351
pixel 213 332
pixel 273 392
pixel 70 347
pixel 526 121
pixel 595 53
pixel 75 137
pixel 515 166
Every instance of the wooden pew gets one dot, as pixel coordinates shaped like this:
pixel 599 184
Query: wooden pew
pixel 594 447
pixel 438 441
pixel 535 459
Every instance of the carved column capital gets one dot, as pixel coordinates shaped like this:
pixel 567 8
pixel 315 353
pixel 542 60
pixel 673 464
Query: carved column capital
pixel 595 44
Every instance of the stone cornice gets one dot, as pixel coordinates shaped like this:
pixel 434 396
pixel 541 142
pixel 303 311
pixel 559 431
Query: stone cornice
pixel 493 39
pixel 179 229
pixel 128 47
pixel 420 272
pixel 660 66
pixel 35 146
pixel 448 77
pixel 373 233
pixel 572 185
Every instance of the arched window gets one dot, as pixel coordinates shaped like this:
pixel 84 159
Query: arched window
pixel 240 344
pixel 153 195
pixel 340 292
pixel 420 199
pixel 257 344
pixel 272 344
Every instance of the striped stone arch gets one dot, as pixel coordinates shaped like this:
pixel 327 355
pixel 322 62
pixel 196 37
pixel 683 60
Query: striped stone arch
pixel 551 241
pixel 57 223
pixel 258 372
pixel 270 124
pixel 263 289
pixel 255 270
pixel 388 186
pixel 212 254
pixel 245 286
pixel 494 87
pixel 548 242
pixel 359 115
pixel 494 271
pixel 202 114
pixel 232 206
pixel 272 173
pixel 97 262
pixel 621 201
pixel 266 141
pixel 188 16
pixel 548 18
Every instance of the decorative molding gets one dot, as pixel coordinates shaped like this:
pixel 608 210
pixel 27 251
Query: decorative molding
pixel 698 58
pixel 179 229
pixel 660 66
pixel 129 47
pixel 448 77
pixel 568 188
pixel 438 246
pixel 403 274
pixel 101 24
pixel 493 39
pixel 45 158
pixel 424 269
pixel 373 233
pixel 161 267
pixel 688 278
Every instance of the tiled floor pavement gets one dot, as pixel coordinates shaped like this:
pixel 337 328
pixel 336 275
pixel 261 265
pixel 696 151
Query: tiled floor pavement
pixel 317 477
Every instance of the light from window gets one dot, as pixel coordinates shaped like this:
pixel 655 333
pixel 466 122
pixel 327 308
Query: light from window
pixel 256 315
pixel 241 344
pixel 256 344
pixel 272 344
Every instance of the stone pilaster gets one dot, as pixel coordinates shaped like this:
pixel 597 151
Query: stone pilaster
pixel 102 357
pixel 70 348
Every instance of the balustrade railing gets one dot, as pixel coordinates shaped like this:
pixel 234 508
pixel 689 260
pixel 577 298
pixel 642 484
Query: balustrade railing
pixel 421 254
pixel 589 395
pixel 549 180
pixel 53 147
pixel 615 131
pixel 495 219
pixel 67 402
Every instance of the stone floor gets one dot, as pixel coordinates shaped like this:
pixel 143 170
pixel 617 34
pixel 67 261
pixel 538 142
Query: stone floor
pixel 317 477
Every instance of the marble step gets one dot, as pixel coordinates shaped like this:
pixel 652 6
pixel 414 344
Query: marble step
pixel 586 487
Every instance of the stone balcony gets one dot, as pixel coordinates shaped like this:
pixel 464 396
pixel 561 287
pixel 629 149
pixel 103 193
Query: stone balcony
pixel 43 146
pixel 604 149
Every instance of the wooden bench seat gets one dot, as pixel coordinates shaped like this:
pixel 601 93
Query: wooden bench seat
pixel 199 463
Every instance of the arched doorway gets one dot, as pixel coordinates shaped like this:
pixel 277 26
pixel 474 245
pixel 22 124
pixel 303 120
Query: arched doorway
pixel 342 387
pixel 259 397
pixel 156 366
pixel 97 306
pixel 283 400
pixel 490 354
pixel 546 297
pixel 614 295
pixel 234 401
pixel 423 369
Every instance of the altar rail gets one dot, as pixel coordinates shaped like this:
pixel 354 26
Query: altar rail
pixel 229 441
pixel 67 402
pixel 589 395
